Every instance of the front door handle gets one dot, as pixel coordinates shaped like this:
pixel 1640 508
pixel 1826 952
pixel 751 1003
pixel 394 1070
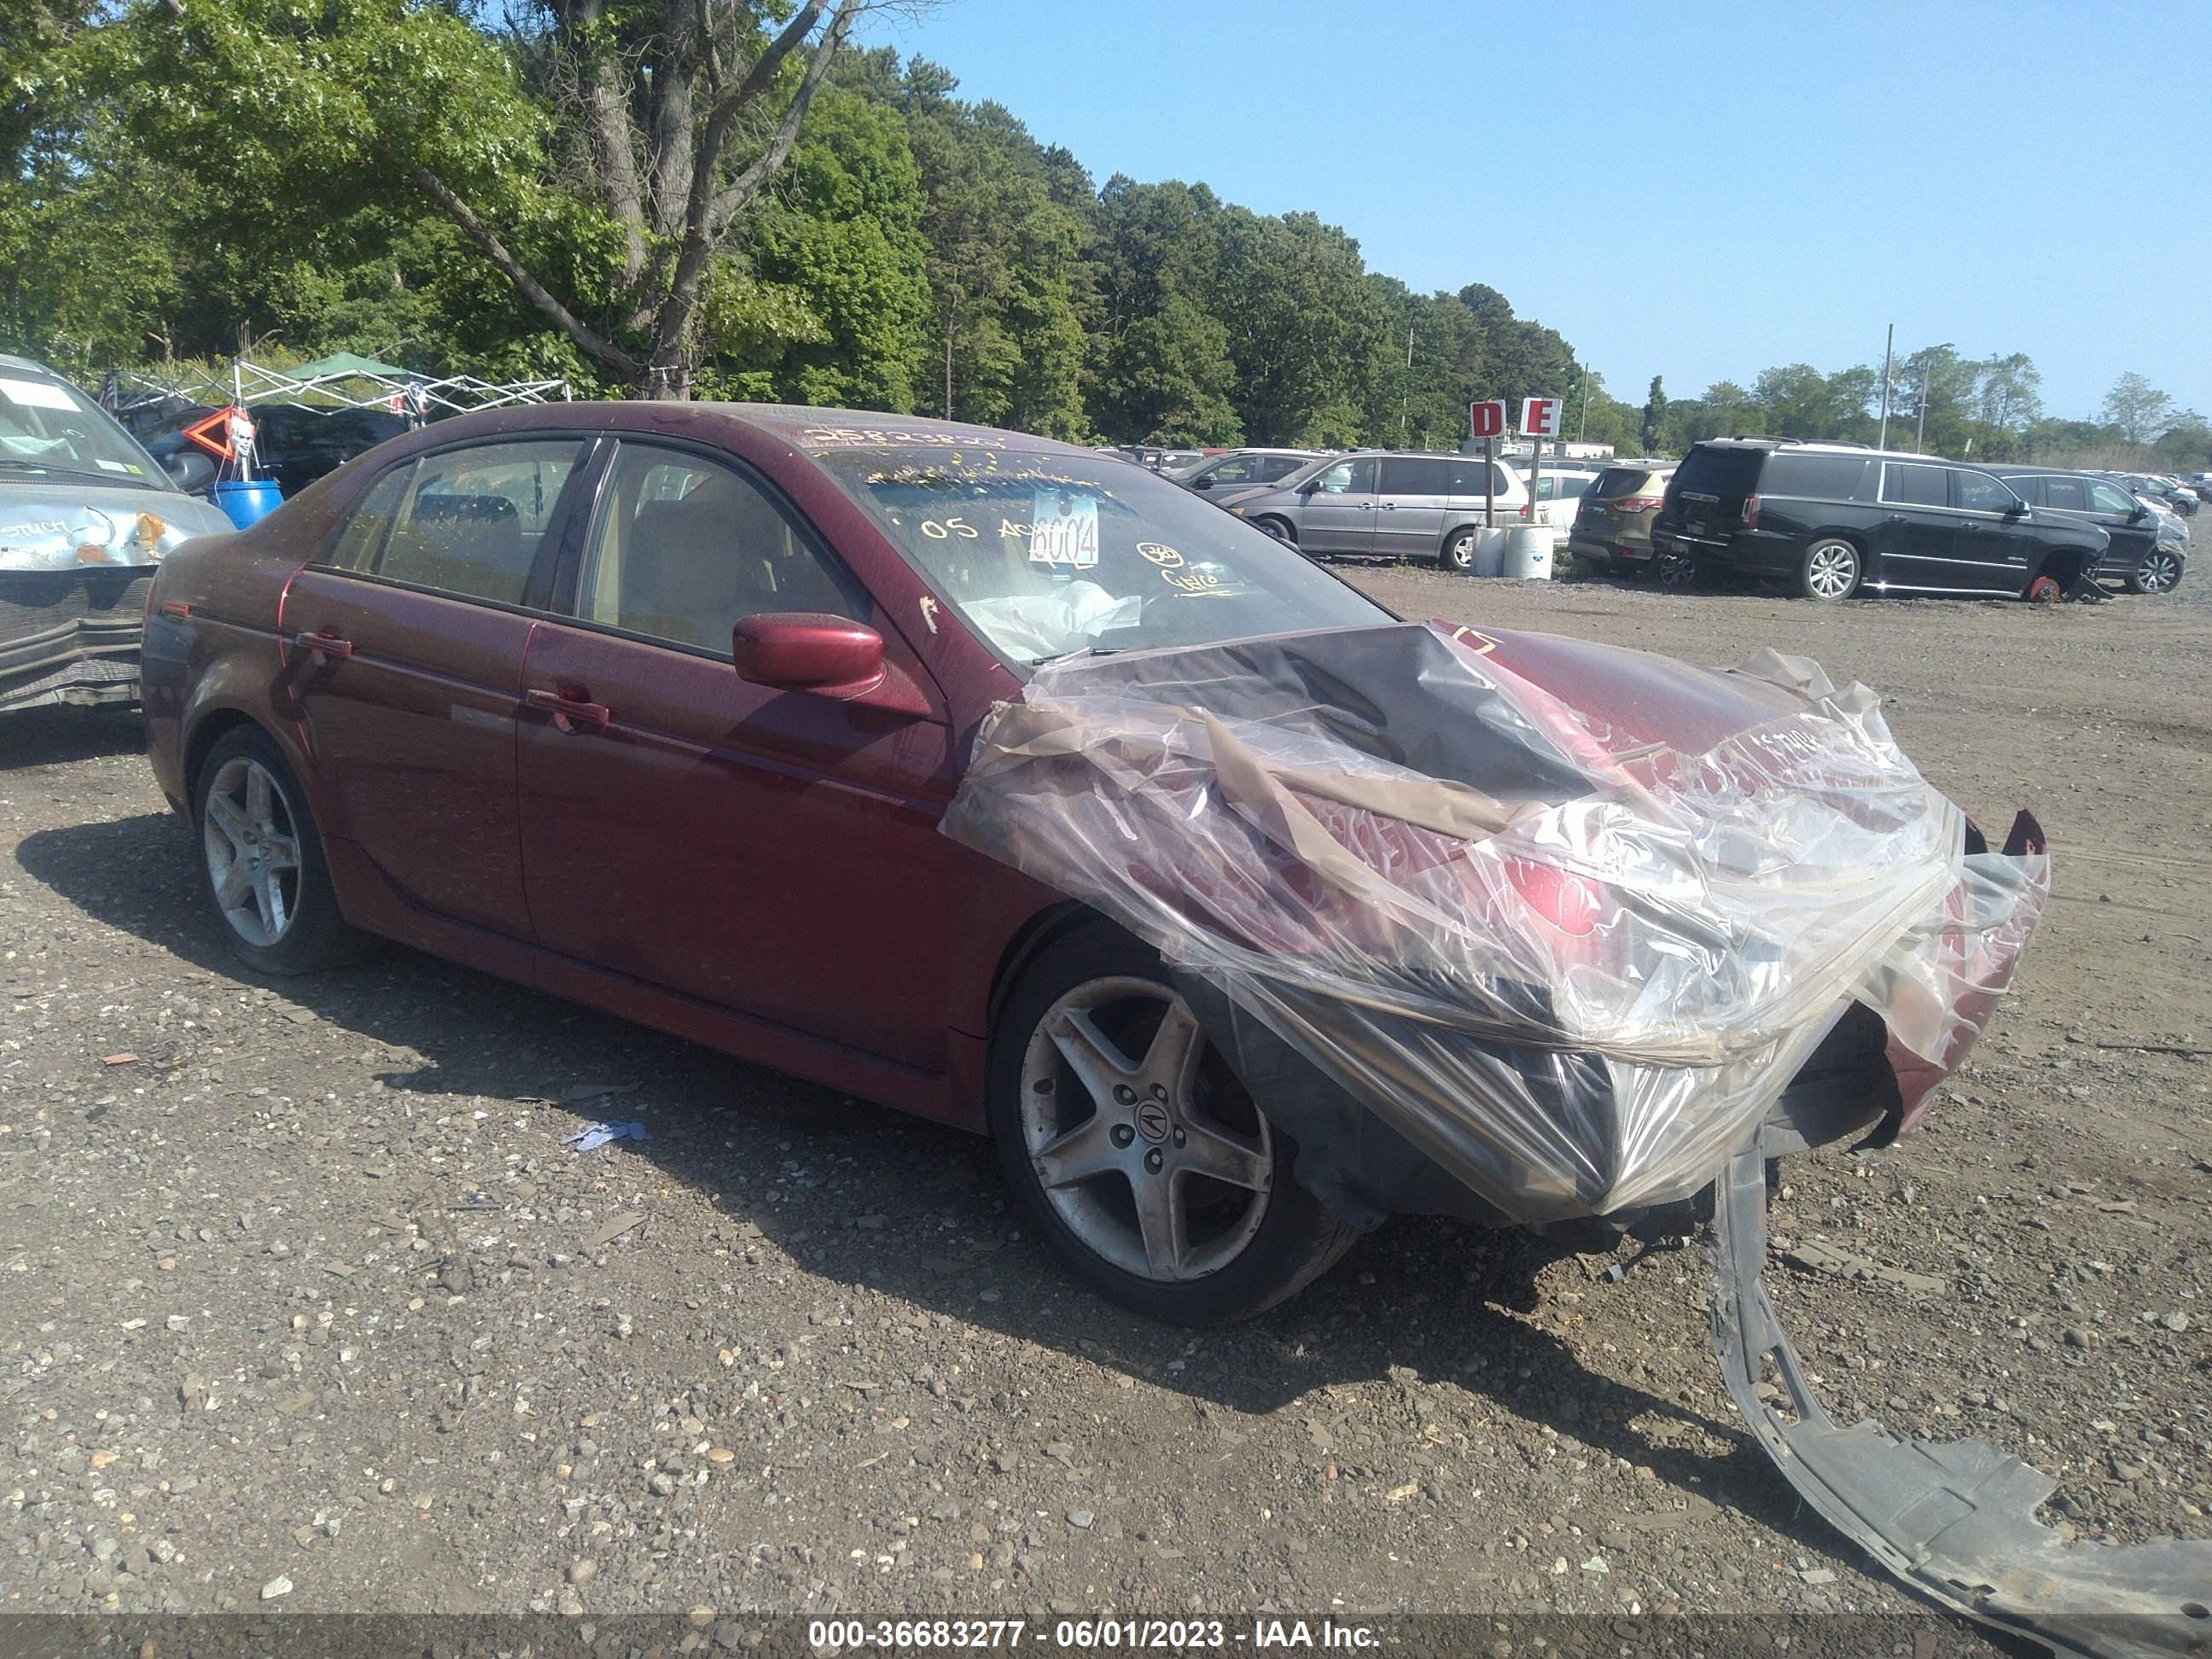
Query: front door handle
pixel 1897 518
pixel 571 707
pixel 324 644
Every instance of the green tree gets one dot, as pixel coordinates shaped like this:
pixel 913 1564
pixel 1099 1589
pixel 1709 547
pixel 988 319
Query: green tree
pixel 602 167
pixel 2138 411
pixel 1655 415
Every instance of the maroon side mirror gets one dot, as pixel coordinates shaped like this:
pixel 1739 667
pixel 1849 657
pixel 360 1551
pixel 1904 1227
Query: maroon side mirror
pixel 807 651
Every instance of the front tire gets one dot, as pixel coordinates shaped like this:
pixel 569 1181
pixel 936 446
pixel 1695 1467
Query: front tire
pixel 1136 1149
pixel 2159 573
pixel 1277 528
pixel 1830 569
pixel 262 860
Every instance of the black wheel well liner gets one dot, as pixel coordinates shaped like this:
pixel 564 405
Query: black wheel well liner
pixel 1049 925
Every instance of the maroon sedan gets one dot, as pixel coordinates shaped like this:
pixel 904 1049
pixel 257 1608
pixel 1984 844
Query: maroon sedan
pixel 659 708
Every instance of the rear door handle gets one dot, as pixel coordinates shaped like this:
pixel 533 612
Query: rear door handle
pixel 571 711
pixel 324 644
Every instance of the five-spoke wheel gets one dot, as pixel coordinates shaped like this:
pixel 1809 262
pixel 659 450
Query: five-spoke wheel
pixel 1150 1167
pixel 264 861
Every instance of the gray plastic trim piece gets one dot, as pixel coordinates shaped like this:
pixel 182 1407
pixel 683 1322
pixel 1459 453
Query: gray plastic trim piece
pixel 1955 1521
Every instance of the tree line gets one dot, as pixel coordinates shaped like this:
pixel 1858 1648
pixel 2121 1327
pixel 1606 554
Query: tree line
pixel 729 198
pixel 1987 409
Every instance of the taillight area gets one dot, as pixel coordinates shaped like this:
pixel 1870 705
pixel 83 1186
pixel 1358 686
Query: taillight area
pixel 1751 513
pixel 1636 503
pixel 1569 901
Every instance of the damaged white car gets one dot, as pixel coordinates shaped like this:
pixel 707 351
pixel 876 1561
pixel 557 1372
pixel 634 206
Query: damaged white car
pixel 85 516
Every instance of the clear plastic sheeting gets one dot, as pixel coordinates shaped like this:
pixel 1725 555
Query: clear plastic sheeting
pixel 1567 917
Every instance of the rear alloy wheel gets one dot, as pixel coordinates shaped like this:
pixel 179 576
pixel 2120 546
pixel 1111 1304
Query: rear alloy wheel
pixel 265 862
pixel 1831 569
pixel 2157 573
pixel 1148 1166
pixel 1458 555
pixel 1673 570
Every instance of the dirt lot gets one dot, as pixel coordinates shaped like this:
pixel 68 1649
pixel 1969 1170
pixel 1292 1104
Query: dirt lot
pixel 298 1286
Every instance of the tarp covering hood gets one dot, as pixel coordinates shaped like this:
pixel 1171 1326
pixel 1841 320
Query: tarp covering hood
pixel 1568 917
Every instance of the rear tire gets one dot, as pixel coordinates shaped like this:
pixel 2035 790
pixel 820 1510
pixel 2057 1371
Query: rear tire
pixel 1830 569
pixel 1457 555
pixel 1129 1212
pixel 262 860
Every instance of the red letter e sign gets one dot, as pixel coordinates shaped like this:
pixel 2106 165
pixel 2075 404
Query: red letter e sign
pixel 1540 418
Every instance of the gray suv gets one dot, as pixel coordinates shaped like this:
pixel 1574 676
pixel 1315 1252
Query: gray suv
pixel 1417 506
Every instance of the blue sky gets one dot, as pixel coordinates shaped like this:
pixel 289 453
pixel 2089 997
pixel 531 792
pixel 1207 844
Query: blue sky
pixel 1696 190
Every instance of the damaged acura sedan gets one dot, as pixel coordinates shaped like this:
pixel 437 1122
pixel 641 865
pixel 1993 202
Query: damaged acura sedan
pixel 1003 783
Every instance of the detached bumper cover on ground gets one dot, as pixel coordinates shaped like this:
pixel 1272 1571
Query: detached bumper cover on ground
pixel 1565 917
pixel 1955 1520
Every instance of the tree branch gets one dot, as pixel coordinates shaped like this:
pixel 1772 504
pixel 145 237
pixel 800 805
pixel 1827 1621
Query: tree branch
pixel 595 345
pixel 708 212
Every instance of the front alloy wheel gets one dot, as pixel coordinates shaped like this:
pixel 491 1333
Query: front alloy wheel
pixel 1148 1165
pixel 2157 573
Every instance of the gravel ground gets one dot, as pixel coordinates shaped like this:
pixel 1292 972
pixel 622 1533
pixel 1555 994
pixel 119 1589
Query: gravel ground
pixel 299 1287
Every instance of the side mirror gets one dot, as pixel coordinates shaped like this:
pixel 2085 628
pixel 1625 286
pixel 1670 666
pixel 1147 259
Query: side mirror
pixel 2017 510
pixel 1205 482
pixel 2140 514
pixel 807 651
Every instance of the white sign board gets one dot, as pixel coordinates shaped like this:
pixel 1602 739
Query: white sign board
pixel 1539 416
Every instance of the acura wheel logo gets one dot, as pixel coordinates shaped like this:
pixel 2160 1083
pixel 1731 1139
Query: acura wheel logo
pixel 1152 1121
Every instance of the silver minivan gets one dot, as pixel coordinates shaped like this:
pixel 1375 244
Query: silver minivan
pixel 1411 505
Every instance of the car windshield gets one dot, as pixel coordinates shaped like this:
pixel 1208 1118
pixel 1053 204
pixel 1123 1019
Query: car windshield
pixel 49 426
pixel 1046 553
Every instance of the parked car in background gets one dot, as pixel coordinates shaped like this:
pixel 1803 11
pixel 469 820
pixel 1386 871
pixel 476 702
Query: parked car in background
pixel 1411 505
pixel 1611 528
pixel 1557 492
pixel 1834 520
pixel 85 515
pixel 1160 460
pixel 2142 556
pixel 293 443
pixel 1241 469
pixel 2173 496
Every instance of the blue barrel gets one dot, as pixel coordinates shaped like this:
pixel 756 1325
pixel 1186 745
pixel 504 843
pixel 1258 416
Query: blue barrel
pixel 244 502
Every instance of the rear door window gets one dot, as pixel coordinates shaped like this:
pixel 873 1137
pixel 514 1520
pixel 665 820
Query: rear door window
pixel 472 519
pixel 2069 494
pixel 1813 478
pixel 1907 483
pixel 1405 475
pixel 1273 467
pixel 1467 476
pixel 1978 492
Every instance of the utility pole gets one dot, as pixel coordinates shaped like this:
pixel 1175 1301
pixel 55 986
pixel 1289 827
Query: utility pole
pixel 1888 351
pixel 1581 428
pixel 1406 401
pixel 1920 436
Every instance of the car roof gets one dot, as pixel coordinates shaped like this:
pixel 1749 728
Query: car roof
pixel 818 431
pixel 1835 446
pixel 25 365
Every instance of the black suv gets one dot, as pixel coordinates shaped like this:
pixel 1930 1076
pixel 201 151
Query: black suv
pixel 2141 558
pixel 1834 518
